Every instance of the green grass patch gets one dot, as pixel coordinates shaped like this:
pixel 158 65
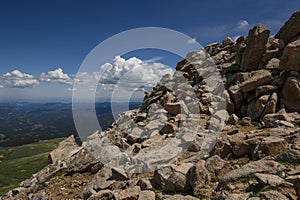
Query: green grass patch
pixel 19 163
pixel 245 179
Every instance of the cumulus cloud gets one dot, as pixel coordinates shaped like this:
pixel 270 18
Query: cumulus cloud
pixel 56 75
pixel 18 79
pixel 132 73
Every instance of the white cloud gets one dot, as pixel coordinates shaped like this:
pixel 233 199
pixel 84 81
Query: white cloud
pixel 154 59
pixel 243 24
pixel 219 32
pixel 56 75
pixel 17 79
pixel 1 86
pixel 132 73
pixel 192 41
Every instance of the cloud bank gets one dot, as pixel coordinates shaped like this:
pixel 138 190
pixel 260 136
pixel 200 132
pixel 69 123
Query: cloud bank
pixel 56 75
pixel 131 73
pixel 17 79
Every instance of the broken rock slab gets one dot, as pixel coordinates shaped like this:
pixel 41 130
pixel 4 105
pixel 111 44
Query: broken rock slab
pixel 258 78
pixel 260 166
pixel 290 29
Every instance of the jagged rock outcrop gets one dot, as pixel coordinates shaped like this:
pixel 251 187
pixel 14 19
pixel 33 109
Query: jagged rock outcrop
pixel 255 48
pixel 178 141
pixel 290 29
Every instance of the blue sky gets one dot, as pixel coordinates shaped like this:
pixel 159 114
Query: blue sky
pixel 41 36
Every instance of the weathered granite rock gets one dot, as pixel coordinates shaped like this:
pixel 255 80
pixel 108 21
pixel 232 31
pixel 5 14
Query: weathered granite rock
pixel 260 166
pixel 261 90
pixel 173 108
pixel 273 64
pixel 146 195
pixel 233 119
pixel 168 128
pixel 256 47
pixel 290 156
pixel 291 94
pixel 227 41
pixel 290 29
pixel 236 96
pixel 269 146
pixel 181 197
pixel 274 195
pixel 64 151
pixel 198 179
pixel 277 43
pixel 161 175
pixel 270 179
pixel 129 193
pixel 217 166
pixel 102 194
pixel 258 78
pixel 290 58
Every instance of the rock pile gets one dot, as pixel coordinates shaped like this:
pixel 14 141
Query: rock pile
pixel 167 150
pixel 261 74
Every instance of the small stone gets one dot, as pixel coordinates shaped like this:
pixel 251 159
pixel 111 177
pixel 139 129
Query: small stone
pixel 119 175
pixel 168 128
pixel 173 108
pixel 233 119
pixel 246 121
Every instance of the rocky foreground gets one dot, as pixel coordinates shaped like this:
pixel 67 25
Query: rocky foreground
pixel 244 144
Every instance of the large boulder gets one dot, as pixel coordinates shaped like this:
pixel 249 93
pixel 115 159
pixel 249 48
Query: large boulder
pixel 198 178
pixel 290 60
pixel 270 107
pixel 291 94
pixel 256 108
pixel 269 146
pixel 260 166
pixel 290 29
pixel 64 151
pixel 258 78
pixel 256 47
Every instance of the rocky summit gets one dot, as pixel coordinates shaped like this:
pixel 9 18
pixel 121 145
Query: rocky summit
pixel 225 125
